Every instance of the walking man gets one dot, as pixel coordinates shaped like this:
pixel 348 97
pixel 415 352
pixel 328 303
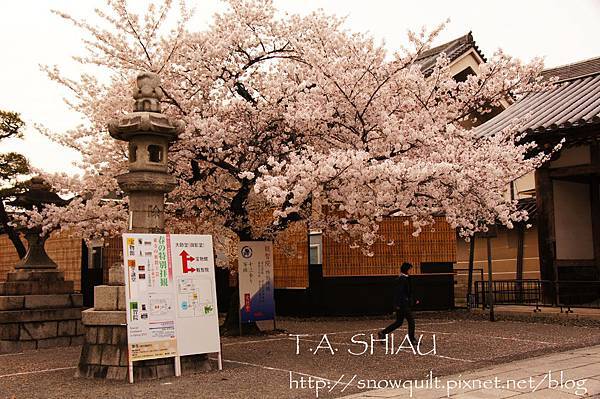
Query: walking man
pixel 402 304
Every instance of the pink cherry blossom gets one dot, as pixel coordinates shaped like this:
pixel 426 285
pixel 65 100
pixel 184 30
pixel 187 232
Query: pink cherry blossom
pixel 291 118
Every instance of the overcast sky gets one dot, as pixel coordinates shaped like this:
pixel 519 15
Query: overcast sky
pixel 560 31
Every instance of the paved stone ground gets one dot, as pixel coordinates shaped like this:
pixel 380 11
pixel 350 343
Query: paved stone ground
pixel 268 366
pixel 569 375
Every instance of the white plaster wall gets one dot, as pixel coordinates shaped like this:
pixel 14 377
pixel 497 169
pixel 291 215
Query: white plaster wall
pixel 573 220
pixel 469 59
pixel 579 155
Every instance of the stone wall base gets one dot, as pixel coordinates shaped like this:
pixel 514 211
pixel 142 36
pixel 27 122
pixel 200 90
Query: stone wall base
pixel 8 346
pixel 38 310
pixel 104 355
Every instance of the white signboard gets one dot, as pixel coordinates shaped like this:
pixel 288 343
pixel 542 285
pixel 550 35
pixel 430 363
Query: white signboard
pixel 255 271
pixel 197 316
pixel 171 295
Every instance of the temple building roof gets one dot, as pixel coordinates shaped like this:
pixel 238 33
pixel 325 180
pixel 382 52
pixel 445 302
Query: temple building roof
pixel 453 50
pixel 573 102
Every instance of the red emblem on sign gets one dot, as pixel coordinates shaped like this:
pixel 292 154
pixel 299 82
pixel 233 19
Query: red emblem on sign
pixel 247 302
pixel 185 258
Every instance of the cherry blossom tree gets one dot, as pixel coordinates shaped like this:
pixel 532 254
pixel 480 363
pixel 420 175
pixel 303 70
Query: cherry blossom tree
pixel 292 118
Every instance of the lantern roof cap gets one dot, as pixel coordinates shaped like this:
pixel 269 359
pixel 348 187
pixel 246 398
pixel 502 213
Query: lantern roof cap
pixel 146 117
pixel 37 193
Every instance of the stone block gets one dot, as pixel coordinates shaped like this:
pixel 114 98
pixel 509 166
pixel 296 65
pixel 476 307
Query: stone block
pixel 9 346
pixel 82 367
pixel 35 275
pixel 105 297
pixel 54 342
pixel 153 362
pixel 144 373
pixel 91 335
pixel 119 335
pixel 92 371
pixel 165 370
pixel 16 288
pixel 116 275
pixel 116 373
pixel 9 331
pixel 124 360
pixel 17 346
pixel 194 363
pixel 47 301
pixel 110 355
pixel 67 328
pixel 76 300
pixel 84 355
pixel 14 316
pixel 92 317
pixel 38 330
pixel 11 302
pixel 105 335
pixel 36 287
pixel 121 299
pixel 60 287
pixel 80 328
pixel 53 287
pixel 94 354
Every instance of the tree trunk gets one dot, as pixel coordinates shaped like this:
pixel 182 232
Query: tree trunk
pixel 231 326
pixel 10 231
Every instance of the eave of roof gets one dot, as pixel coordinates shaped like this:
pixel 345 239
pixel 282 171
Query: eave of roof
pixel 570 104
pixel 575 70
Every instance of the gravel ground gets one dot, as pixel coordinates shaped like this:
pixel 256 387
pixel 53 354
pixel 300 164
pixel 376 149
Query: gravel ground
pixel 260 366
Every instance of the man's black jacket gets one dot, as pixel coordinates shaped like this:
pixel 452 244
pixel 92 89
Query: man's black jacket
pixel 402 292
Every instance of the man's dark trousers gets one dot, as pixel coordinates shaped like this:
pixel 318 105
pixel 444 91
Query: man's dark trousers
pixel 402 312
pixel 402 304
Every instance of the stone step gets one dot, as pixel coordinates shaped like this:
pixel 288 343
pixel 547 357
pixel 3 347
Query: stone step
pixel 12 302
pixel 20 316
pixel 92 317
pixel 36 287
pixel 52 301
pixel 35 275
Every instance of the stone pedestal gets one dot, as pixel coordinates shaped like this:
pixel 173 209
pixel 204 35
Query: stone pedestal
pixel 104 352
pixel 38 309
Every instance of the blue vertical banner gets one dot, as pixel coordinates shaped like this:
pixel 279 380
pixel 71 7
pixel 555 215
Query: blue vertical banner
pixel 255 274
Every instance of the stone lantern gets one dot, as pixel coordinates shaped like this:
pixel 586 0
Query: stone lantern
pixel 36 195
pixel 38 308
pixel 148 133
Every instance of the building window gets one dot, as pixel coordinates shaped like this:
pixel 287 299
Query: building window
pixel 315 254
pixel 155 153
pixel 315 247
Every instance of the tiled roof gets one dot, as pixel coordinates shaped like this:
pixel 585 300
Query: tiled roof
pixel 453 49
pixel 572 71
pixel 570 103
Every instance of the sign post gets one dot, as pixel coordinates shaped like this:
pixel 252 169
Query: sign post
pixel 256 286
pixel 171 297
